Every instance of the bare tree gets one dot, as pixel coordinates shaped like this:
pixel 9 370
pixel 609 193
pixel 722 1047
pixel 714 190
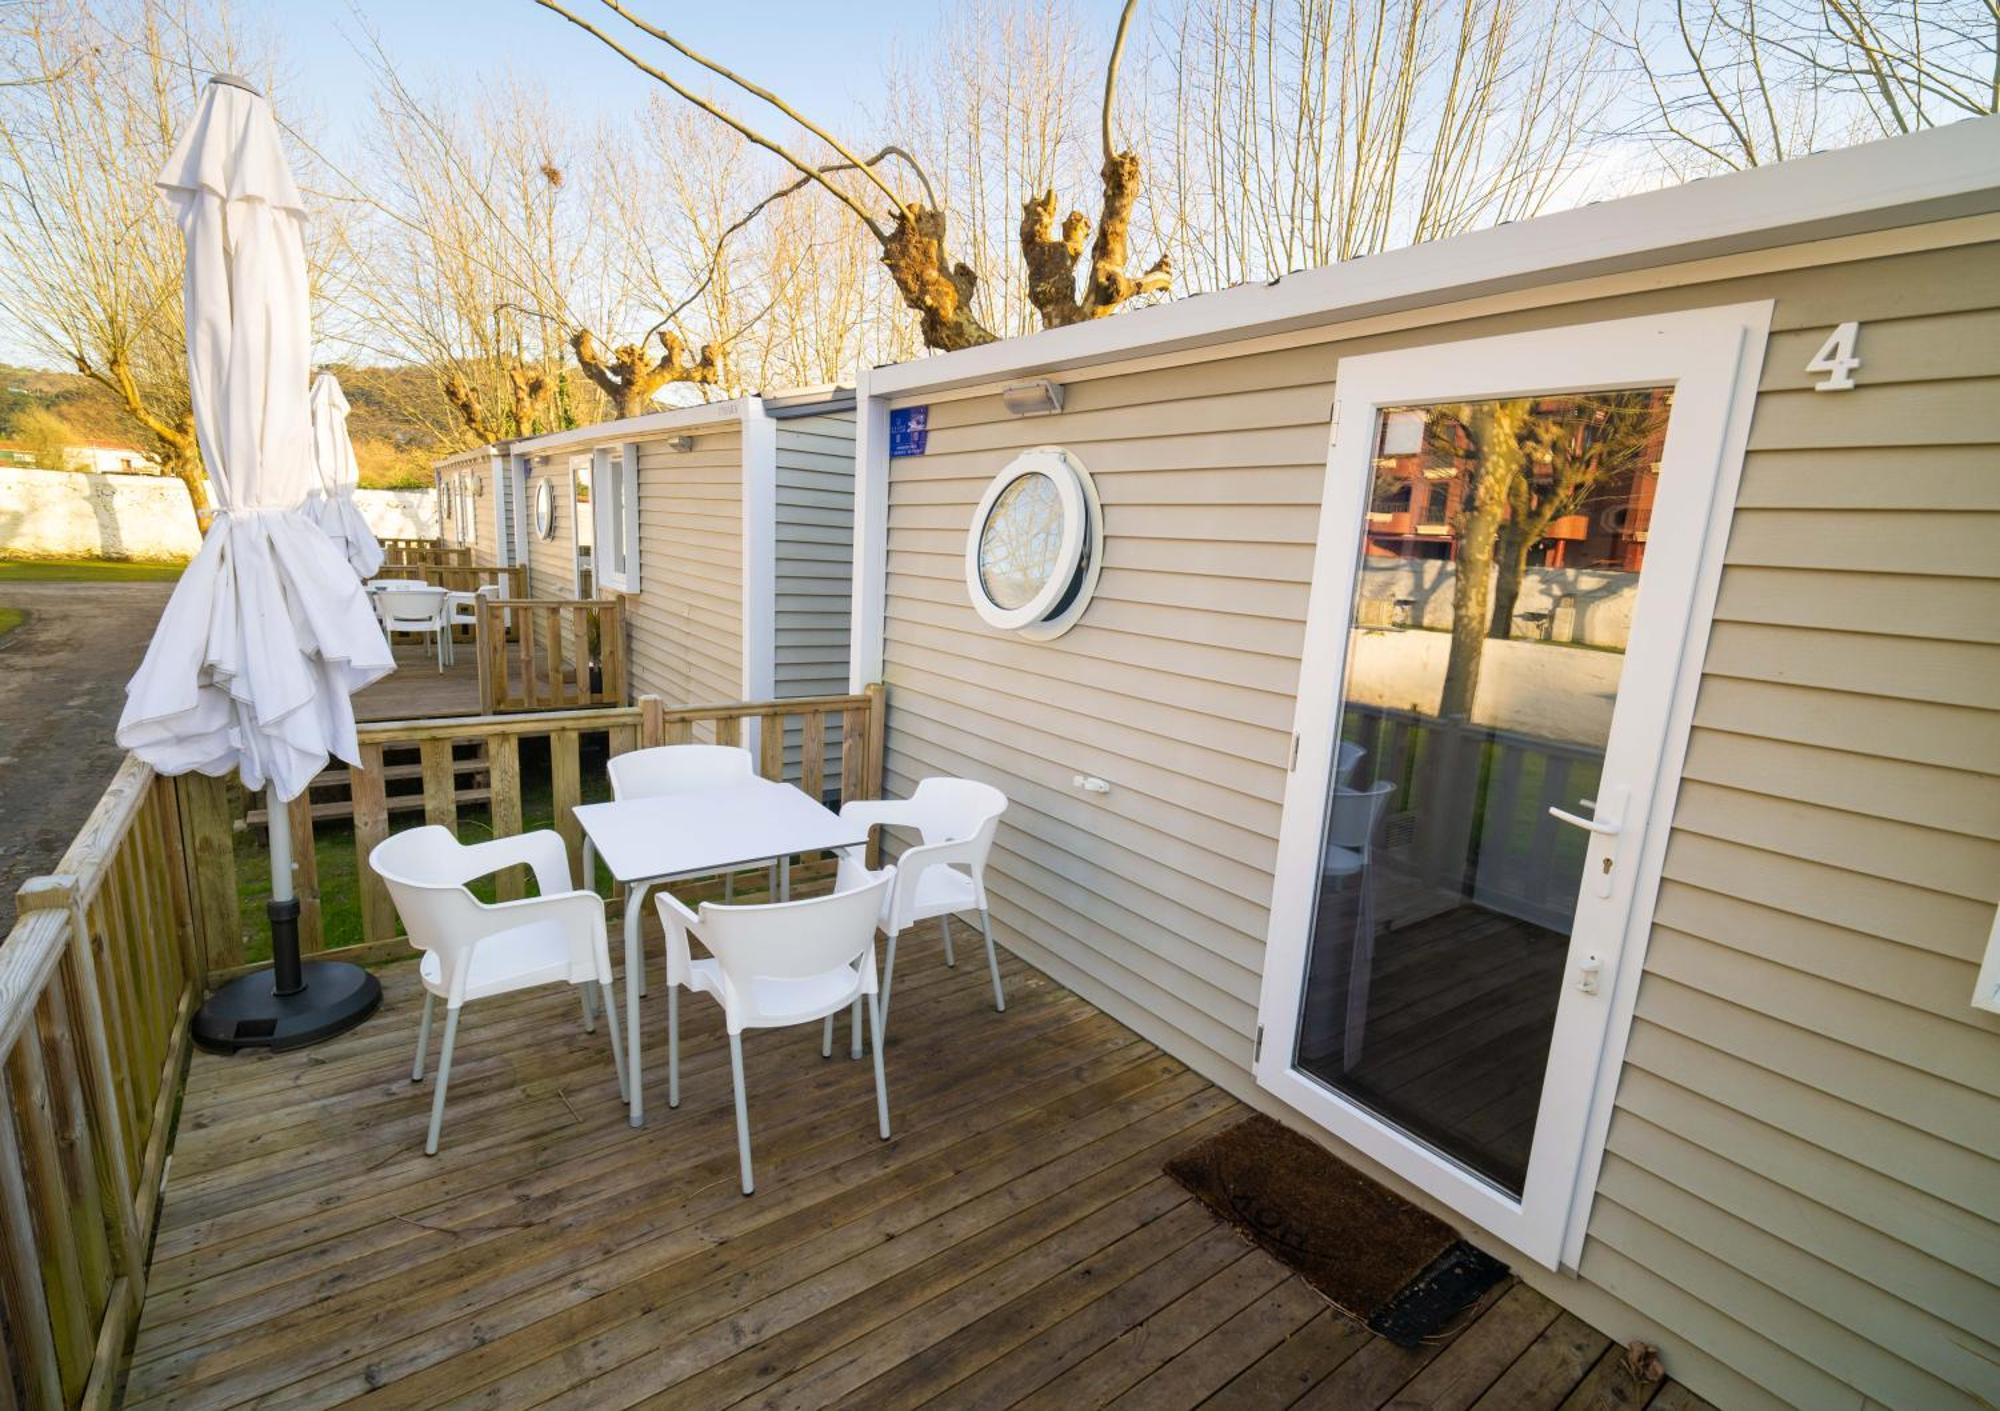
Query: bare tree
pixel 1730 84
pixel 1299 134
pixel 90 263
pixel 911 234
pixel 1575 446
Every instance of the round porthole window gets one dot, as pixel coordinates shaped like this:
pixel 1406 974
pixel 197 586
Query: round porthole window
pixel 1036 543
pixel 545 508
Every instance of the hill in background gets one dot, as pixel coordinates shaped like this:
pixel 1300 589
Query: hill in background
pixel 398 420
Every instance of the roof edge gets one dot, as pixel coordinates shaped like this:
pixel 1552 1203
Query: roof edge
pixel 1939 174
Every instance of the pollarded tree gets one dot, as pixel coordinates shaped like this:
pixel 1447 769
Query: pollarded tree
pixel 912 232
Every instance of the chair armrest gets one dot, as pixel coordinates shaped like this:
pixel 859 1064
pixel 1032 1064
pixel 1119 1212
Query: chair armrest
pixel 542 851
pixel 871 812
pixel 678 922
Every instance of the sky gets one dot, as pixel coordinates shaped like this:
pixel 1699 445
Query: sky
pixel 827 58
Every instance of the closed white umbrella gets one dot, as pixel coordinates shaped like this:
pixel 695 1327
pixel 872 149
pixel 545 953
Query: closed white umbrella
pixel 268 631
pixel 333 505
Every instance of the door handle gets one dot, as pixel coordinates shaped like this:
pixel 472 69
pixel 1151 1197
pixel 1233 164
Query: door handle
pixel 1609 825
pixel 1609 828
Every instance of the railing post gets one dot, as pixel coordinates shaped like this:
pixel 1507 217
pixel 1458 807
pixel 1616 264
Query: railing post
pixel 652 721
pixel 21 1290
pixel 878 711
pixel 209 860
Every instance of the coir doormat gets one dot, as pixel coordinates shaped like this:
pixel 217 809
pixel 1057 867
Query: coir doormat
pixel 1372 1254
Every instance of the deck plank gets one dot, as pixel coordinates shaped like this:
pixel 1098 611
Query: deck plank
pixel 1015 1243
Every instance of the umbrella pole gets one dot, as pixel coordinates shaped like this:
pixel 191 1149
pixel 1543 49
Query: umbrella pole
pixel 283 908
pixel 292 1004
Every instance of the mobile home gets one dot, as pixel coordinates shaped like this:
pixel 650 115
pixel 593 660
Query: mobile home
pixel 1522 709
pixel 730 536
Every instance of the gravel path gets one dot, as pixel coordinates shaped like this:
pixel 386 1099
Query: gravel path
pixel 62 685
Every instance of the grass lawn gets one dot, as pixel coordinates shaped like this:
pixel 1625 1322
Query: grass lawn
pixel 10 618
pixel 86 571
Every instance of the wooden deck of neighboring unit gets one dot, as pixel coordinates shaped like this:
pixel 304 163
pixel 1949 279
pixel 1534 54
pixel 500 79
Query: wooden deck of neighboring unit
pixel 1015 1244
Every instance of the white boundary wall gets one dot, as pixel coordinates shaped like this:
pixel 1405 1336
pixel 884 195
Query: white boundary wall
pixel 67 514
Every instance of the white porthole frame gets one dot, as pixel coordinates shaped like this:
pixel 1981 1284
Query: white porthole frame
pixel 545 508
pixel 1083 533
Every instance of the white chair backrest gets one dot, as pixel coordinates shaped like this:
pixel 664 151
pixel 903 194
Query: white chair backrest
pixel 946 810
pixel 1345 758
pixel 1355 813
pixel 418 606
pixel 426 872
pixel 676 769
pixel 794 940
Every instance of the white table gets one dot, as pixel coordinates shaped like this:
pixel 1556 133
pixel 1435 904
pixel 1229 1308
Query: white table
pixel 697 834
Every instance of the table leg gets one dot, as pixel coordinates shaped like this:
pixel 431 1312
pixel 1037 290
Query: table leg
pixel 784 878
pixel 635 966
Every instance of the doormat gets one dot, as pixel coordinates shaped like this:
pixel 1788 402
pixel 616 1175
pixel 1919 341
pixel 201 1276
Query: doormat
pixel 1372 1254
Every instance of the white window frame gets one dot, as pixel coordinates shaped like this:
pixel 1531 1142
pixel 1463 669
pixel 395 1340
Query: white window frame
pixel 616 510
pixel 1083 533
pixel 1712 358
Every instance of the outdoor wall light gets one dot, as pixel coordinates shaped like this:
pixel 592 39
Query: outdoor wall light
pixel 1040 398
pixel 1035 546
pixel 680 443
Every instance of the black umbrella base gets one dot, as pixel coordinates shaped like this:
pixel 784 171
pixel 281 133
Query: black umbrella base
pixel 249 1013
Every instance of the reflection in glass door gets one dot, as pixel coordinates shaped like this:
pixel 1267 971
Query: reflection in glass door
pixel 1492 604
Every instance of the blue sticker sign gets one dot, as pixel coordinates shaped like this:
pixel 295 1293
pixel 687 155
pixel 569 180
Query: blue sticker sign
pixel 909 430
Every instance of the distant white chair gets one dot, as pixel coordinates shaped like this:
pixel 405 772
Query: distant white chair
pixel 940 877
pixel 774 966
pixel 1346 757
pixel 1353 818
pixel 423 610
pixel 462 609
pixel 473 949
pixel 678 769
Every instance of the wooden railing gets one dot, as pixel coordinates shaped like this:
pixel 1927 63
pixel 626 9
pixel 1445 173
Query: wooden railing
pixel 399 551
pixel 550 654
pixel 511 579
pixel 100 977
pixel 98 981
pixel 494 776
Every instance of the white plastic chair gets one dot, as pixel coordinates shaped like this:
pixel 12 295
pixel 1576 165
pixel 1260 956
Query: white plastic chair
pixel 1353 817
pixel 473 949
pixel 675 769
pixel 774 966
pixel 462 609
pixel 940 877
pixel 423 610
pixel 1346 757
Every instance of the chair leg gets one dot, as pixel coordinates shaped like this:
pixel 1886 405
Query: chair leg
pixel 742 1113
pixel 826 1039
pixel 854 1031
pixel 881 1082
pixel 444 1078
pixel 888 978
pixel 610 998
pixel 589 1015
pixel 728 888
pixel 673 1045
pixel 944 926
pixel 423 1038
pixel 992 961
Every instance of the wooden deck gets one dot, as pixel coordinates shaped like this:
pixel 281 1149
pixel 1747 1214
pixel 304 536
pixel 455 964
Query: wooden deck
pixel 417 690
pixel 1015 1244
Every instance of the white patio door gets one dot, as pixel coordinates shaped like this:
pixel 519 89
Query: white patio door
pixel 1519 538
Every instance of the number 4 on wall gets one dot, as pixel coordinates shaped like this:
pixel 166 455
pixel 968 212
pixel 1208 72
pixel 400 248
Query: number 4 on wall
pixel 1836 359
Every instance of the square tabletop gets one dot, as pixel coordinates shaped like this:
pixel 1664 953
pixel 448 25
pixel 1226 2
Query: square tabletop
pixel 711 830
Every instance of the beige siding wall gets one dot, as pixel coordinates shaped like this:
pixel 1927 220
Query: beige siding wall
pixel 552 561
pixel 687 623
pixel 1802 1184
pixel 485 509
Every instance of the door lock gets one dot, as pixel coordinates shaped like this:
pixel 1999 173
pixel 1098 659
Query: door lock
pixel 1605 825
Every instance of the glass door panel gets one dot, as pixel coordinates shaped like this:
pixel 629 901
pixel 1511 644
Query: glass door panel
pixel 1492 604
